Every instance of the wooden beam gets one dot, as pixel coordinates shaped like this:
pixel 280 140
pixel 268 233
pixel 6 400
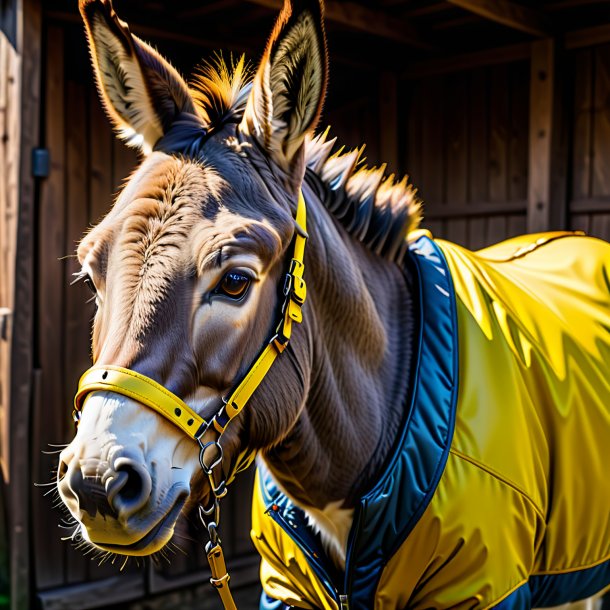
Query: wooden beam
pixel 547 187
pixel 440 211
pixel 468 61
pixel 207 9
pixel 118 589
pixel 597 205
pixel 148 33
pixel 388 120
pixel 588 37
pixel 363 19
pixel 541 113
pixel 23 379
pixel 510 14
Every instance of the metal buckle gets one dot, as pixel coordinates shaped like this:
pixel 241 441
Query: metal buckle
pixel 220 490
pixel 286 290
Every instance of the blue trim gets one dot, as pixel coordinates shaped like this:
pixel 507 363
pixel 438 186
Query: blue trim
pixel 388 513
pixel 519 599
pixel 269 603
pixel 557 589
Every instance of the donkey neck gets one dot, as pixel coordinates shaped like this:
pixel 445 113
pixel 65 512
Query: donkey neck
pixel 359 327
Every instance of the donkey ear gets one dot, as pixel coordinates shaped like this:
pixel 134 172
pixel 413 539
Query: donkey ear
pixel 141 91
pixel 290 84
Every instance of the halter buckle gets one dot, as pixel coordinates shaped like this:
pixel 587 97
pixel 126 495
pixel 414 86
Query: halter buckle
pixel 294 284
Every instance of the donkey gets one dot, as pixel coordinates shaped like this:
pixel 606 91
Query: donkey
pixel 429 423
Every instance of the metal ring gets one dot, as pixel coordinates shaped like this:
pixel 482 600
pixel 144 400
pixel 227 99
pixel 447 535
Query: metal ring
pixel 209 469
pixel 205 513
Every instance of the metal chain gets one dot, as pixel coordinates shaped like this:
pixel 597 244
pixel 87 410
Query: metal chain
pixel 210 459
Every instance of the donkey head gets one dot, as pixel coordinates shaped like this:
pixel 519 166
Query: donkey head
pixel 186 266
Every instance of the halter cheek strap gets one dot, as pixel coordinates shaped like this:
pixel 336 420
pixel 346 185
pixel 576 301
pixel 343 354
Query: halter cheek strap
pixel 155 396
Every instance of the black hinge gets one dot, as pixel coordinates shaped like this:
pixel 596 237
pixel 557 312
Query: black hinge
pixel 40 162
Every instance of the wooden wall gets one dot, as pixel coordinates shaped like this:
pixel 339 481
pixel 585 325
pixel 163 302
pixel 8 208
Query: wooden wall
pixel 589 203
pixel 465 147
pixel 9 189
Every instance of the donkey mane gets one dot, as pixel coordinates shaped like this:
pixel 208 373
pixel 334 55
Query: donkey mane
pixel 373 207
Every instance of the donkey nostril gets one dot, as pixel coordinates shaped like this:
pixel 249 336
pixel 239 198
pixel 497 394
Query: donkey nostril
pixel 130 488
pixel 133 486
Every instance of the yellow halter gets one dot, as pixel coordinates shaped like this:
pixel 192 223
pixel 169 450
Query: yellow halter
pixel 152 394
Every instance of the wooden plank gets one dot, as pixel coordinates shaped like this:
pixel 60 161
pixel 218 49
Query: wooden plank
pixel 497 229
pixel 27 78
pixel 101 186
pixel 477 233
pixel 478 164
pixel 467 61
pixel 240 515
pixel 388 120
pixel 434 226
pixel 510 14
pixel 600 226
pixel 588 37
pixel 479 208
pixel 541 114
pixel 124 161
pixel 77 313
pixel 207 9
pixel 9 180
pixel 158 33
pixel 363 19
pixel 51 282
pixel 192 591
pixel 119 589
pixel 456 141
pixel 498 134
pixel 580 222
pixel 518 133
pixel 601 123
pixel 413 101
pixel 517 225
pixel 244 571
pixel 433 162
pixel 457 231
pixel 594 205
pixel 582 147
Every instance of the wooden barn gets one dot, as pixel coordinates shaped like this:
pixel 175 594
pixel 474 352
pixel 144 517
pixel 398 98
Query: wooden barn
pixel 499 110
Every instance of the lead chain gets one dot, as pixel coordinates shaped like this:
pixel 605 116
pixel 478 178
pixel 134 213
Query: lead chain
pixel 210 517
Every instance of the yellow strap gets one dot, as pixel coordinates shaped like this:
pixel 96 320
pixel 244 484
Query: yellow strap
pixel 140 388
pixel 220 577
pixel 243 392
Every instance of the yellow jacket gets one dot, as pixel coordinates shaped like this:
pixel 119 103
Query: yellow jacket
pixel 499 491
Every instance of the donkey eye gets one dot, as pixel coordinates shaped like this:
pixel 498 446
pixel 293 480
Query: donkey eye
pixel 234 284
pixel 89 283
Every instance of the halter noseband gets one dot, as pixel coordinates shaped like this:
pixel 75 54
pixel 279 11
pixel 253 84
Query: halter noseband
pixel 155 396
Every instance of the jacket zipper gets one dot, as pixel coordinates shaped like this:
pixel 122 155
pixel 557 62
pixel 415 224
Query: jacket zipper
pixel 347 583
pixel 341 600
